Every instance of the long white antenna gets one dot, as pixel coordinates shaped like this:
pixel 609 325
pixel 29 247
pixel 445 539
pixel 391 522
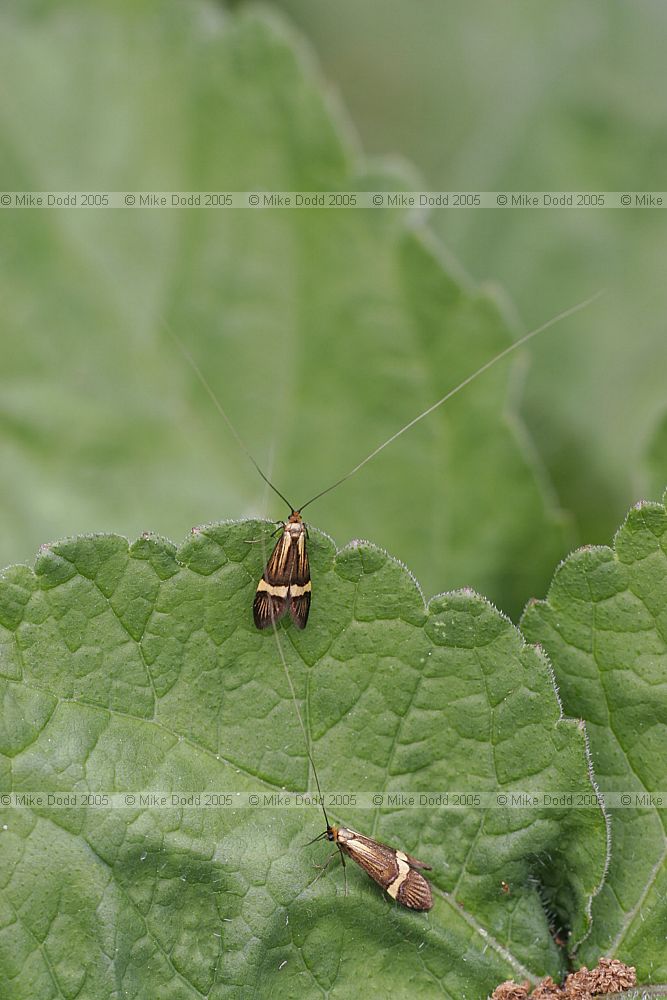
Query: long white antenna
pixel 218 405
pixel 452 392
pixel 300 718
pixel 283 660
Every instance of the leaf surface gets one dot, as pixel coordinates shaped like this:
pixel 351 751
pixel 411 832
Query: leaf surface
pixel 137 670
pixel 603 626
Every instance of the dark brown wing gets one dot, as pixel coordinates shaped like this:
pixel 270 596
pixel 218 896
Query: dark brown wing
pixel 270 602
pixel 376 859
pixel 393 870
pixel 267 607
pixel 300 585
pixel 414 863
pixel 280 569
pixel 299 606
pixel 415 892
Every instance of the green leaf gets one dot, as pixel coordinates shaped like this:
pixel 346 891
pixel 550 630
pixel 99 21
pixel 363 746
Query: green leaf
pixel 322 331
pixel 136 669
pixel 603 625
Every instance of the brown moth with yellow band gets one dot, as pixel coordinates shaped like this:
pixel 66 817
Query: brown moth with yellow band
pixel 285 584
pixel 398 873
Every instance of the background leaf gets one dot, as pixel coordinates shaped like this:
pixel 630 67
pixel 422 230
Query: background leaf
pixel 509 98
pixel 603 627
pixel 656 457
pixel 138 669
pixel 322 331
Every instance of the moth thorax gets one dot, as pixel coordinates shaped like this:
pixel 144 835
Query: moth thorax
pixel 294 526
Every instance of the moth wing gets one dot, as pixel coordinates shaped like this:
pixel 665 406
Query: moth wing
pixel 299 606
pixel 414 863
pixel 300 586
pixel 280 567
pixel 378 860
pixel 270 602
pixel 415 892
pixel 268 608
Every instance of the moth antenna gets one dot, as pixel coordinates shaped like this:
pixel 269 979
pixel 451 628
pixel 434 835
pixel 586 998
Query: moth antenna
pixel 218 405
pixel 452 392
pixel 320 836
pixel 303 728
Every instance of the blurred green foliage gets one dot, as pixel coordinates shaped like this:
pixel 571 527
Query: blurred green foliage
pixel 317 330
pixel 321 331
pixel 565 97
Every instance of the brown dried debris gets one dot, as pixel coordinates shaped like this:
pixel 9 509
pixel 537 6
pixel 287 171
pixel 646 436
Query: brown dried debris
pixel 546 989
pixel 510 990
pixel 609 976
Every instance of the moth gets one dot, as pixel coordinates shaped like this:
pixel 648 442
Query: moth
pixel 398 873
pixel 285 584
